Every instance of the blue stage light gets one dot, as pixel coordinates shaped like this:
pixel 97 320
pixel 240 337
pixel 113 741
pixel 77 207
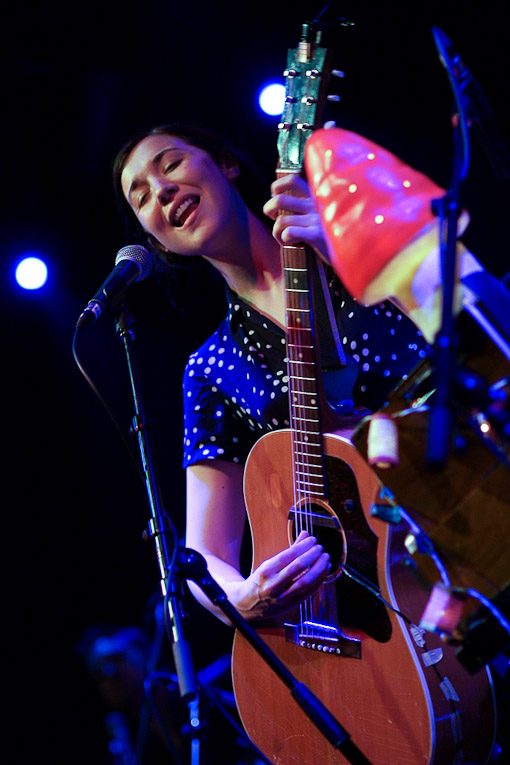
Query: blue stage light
pixel 272 98
pixel 31 273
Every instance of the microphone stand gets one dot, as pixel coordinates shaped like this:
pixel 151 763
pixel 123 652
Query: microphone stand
pixel 176 564
pixel 472 108
pixel 448 211
pixel 160 530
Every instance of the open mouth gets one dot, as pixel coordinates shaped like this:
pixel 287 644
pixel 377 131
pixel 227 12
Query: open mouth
pixel 184 210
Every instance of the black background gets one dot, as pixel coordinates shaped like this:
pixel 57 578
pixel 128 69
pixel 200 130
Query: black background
pixel 78 79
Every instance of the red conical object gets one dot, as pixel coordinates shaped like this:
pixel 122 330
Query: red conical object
pixel 372 204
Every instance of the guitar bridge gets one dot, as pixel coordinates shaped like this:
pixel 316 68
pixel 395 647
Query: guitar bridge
pixel 321 637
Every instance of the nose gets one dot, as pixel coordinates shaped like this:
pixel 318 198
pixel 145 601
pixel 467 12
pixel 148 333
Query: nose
pixel 165 192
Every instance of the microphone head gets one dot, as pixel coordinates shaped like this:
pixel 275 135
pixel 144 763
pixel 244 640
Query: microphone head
pixel 139 255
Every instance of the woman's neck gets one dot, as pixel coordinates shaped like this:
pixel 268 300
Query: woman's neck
pixel 252 268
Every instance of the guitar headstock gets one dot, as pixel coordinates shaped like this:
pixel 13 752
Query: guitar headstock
pixel 306 79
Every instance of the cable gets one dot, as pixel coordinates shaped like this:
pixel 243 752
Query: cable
pixel 110 413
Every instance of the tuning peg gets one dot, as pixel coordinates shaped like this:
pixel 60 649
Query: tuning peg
pixel 337 73
pixel 333 98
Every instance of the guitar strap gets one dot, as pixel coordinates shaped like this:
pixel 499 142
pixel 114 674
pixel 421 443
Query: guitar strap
pixel 326 322
pixel 339 371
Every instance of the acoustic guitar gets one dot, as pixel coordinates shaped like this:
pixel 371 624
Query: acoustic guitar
pixel 399 692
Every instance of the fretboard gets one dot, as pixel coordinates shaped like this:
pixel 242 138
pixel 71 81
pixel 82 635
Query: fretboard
pixel 302 371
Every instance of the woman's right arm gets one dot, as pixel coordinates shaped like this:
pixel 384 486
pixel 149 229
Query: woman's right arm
pixel 215 523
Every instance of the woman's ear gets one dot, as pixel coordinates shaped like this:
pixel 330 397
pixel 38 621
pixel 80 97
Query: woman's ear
pixel 231 171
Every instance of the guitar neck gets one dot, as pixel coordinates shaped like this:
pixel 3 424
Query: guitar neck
pixel 307 73
pixel 304 402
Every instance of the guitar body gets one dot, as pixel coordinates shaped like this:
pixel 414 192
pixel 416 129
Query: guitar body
pixel 398 706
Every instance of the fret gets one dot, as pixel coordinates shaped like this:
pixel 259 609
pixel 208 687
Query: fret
pixel 316 473
pixel 295 377
pixel 308 496
pixel 302 454
pixel 300 345
pixel 314 453
pixel 299 462
pixel 300 373
pixel 310 446
pixel 310 473
pixel 295 361
pixel 308 483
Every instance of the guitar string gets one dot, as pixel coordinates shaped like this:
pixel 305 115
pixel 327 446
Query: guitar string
pixel 294 393
pixel 303 375
pixel 303 436
pixel 301 371
pixel 304 482
pixel 293 397
pixel 290 367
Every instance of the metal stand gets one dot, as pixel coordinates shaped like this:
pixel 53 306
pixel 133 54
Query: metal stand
pixel 176 564
pixel 471 108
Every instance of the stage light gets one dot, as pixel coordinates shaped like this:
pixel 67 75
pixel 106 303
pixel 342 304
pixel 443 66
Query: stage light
pixel 31 272
pixel 272 98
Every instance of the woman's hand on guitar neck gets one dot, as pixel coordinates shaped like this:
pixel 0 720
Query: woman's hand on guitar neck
pixel 296 218
pixel 283 581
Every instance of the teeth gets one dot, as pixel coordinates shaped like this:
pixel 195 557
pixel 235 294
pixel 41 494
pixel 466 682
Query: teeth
pixel 182 209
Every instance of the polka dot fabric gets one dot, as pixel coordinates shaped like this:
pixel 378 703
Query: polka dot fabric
pixel 236 385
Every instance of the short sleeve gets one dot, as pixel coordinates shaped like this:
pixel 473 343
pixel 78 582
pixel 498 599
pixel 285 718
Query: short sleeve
pixel 211 428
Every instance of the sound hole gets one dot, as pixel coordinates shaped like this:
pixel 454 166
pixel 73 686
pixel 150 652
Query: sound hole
pixel 320 521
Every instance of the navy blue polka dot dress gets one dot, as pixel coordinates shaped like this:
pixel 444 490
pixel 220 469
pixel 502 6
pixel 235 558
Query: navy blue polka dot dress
pixel 236 385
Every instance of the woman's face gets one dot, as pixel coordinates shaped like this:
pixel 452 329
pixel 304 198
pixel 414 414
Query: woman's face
pixel 180 195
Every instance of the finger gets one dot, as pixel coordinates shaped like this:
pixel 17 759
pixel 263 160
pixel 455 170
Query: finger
pixel 310 580
pixel 270 570
pixel 287 203
pixel 295 570
pixel 301 565
pixel 309 235
pixel 293 184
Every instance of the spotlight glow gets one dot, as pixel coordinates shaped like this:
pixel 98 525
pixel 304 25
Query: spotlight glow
pixel 272 98
pixel 31 273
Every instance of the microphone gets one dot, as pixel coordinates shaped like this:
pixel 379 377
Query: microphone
pixel 132 264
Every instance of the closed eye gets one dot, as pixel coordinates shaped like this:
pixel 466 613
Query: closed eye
pixel 141 199
pixel 169 166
